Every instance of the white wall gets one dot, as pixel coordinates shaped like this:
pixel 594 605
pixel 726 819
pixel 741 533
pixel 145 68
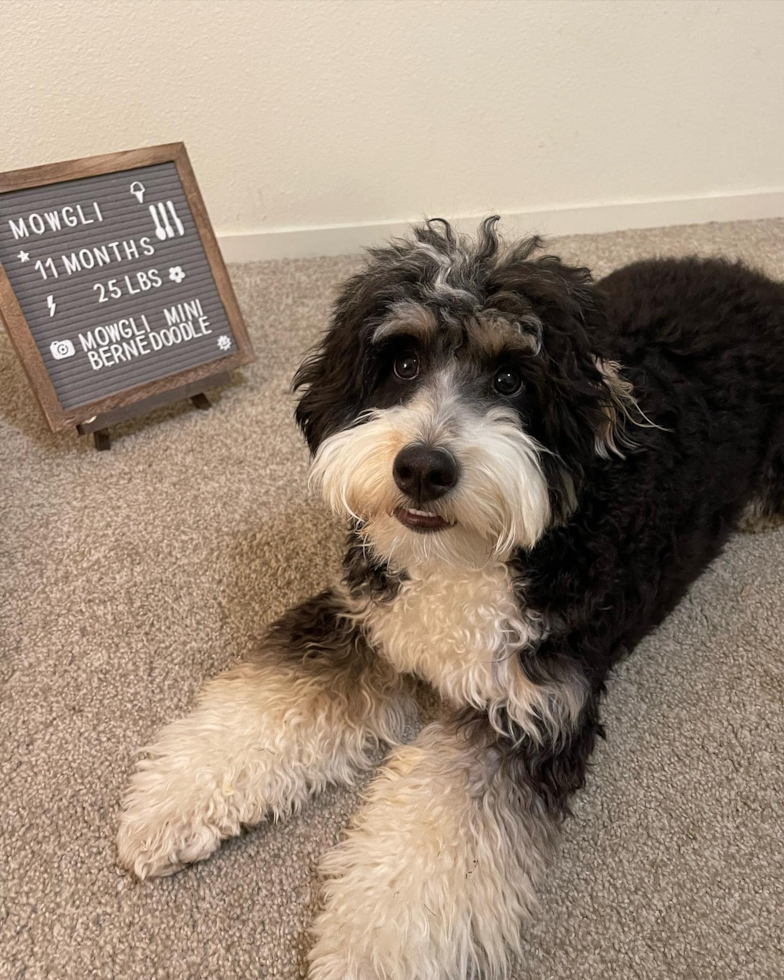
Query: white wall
pixel 571 115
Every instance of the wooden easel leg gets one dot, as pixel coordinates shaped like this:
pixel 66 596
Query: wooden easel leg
pixel 98 425
pixel 102 440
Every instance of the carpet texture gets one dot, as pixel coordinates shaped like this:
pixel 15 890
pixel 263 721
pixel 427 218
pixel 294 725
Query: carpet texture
pixel 127 578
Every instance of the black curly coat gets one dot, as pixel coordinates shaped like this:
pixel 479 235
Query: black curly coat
pixel 702 343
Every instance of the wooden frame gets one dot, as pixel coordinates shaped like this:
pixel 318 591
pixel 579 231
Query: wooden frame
pixel 16 324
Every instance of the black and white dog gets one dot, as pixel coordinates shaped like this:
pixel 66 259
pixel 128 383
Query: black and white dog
pixel 535 467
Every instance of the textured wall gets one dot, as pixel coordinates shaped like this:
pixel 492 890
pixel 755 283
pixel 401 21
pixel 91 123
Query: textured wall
pixel 326 111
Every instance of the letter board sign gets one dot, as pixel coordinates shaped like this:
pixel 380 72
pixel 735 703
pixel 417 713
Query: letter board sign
pixel 112 286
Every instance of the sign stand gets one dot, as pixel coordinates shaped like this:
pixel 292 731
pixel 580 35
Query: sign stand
pixel 113 289
pixel 102 439
pixel 99 424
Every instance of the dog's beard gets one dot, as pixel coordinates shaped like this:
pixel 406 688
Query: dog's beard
pixel 501 500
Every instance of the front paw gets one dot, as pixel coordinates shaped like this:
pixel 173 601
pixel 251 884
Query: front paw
pixel 153 846
pixel 168 822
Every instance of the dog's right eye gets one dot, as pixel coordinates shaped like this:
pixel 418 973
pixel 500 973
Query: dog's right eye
pixel 407 366
pixel 508 382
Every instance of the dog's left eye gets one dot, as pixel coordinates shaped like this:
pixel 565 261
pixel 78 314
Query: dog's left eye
pixel 407 366
pixel 507 382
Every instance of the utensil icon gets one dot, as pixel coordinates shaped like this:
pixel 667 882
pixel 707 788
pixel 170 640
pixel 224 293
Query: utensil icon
pixel 160 231
pixel 163 226
pixel 138 189
pixel 165 220
pixel 177 222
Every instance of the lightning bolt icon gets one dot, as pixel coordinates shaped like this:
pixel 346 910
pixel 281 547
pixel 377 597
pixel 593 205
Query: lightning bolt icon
pixel 51 304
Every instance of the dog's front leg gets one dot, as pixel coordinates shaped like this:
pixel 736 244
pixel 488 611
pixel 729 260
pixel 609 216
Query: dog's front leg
pixel 263 738
pixel 439 870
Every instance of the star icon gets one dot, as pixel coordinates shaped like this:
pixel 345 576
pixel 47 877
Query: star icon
pixel 24 256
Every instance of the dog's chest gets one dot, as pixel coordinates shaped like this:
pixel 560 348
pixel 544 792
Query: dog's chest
pixel 458 629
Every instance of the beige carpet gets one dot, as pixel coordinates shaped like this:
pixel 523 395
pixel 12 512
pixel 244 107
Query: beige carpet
pixel 128 577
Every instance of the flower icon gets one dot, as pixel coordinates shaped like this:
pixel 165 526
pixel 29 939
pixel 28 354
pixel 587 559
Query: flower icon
pixel 176 274
pixel 224 342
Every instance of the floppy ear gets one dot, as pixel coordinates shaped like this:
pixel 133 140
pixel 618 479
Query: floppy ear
pixel 326 376
pixel 600 399
pixel 331 373
pixel 619 409
pixel 584 399
pixel 607 405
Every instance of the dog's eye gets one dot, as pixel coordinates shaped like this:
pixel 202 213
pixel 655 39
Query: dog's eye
pixel 507 382
pixel 407 366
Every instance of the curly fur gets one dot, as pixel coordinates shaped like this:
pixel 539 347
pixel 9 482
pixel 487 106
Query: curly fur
pixel 647 426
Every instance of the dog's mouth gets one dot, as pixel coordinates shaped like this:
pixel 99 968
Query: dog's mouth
pixel 421 520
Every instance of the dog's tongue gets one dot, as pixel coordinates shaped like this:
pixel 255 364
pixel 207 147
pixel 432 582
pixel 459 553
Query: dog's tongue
pixel 419 521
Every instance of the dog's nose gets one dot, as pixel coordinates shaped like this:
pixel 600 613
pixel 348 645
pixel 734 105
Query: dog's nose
pixel 424 473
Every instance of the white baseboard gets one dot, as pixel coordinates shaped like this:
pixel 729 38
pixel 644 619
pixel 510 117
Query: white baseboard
pixel 590 219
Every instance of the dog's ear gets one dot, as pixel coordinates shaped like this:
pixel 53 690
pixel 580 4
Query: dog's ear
pixel 585 401
pixel 331 373
pixel 601 401
pixel 620 409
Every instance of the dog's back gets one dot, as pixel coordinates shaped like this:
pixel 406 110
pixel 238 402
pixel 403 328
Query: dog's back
pixel 717 321
pixel 702 341
pixel 715 330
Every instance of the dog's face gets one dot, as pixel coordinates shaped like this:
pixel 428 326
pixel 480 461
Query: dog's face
pixel 456 401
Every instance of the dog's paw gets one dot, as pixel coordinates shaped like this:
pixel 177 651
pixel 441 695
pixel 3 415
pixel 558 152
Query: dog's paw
pixel 760 523
pixel 760 516
pixel 151 846
pixel 167 822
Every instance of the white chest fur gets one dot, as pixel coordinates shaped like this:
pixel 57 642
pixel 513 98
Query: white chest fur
pixel 461 630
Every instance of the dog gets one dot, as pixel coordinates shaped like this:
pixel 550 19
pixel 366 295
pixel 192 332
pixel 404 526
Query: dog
pixel 533 467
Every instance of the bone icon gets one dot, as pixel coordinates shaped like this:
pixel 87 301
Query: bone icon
pixel 163 215
pixel 138 189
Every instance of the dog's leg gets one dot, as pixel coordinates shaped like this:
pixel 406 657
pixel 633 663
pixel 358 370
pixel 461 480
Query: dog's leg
pixel 440 867
pixel 759 516
pixel 766 510
pixel 263 738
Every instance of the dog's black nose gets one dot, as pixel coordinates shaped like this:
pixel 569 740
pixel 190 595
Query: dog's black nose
pixel 424 473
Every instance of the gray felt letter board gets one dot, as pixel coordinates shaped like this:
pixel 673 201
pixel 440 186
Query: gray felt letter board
pixel 112 285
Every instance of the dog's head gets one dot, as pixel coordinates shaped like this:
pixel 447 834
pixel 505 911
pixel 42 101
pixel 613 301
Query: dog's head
pixel 458 398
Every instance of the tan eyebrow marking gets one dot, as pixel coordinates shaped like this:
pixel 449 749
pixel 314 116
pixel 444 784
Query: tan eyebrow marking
pixel 407 318
pixel 493 335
